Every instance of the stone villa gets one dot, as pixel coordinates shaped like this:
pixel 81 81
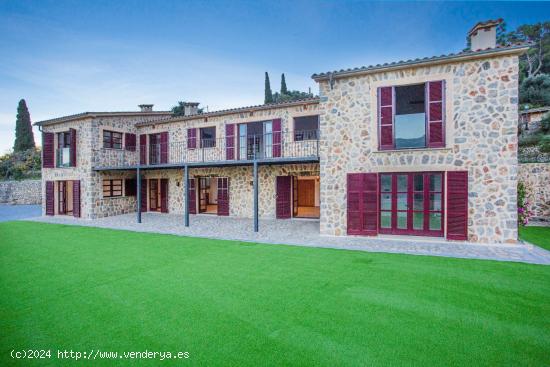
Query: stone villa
pixel 424 147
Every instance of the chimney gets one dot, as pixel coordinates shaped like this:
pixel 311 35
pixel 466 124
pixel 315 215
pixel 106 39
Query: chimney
pixel 191 108
pixel 146 107
pixel 484 35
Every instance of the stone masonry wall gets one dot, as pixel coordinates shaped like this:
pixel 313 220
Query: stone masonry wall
pixel 481 137
pixel 536 177
pixel 21 192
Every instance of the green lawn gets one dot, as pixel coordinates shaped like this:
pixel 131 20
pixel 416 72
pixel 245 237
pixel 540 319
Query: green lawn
pixel 231 303
pixel 539 236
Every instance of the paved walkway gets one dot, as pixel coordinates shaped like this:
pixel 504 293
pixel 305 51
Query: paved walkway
pixel 15 212
pixel 306 233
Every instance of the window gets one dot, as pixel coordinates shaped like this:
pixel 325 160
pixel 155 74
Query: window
pixel 208 137
pixel 112 139
pixel 63 154
pixel 410 117
pixel 306 128
pixel 112 188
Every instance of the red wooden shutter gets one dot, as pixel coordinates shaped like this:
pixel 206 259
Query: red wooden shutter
pixel 277 138
pixel 164 195
pixel 457 205
pixel 223 196
pixel 50 195
pixel 76 198
pixel 435 92
pixel 72 134
pixel 143 198
pixel 48 150
pixel 191 138
pixel 362 204
pixel 386 102
pixel 192 196
pixel 130 187
pixel 143 149
pixel 130 142
pixel 283 195
pixel 229 142
pixel 164 147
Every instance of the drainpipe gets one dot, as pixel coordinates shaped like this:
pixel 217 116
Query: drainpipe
pixel 256 196
pixel 186 194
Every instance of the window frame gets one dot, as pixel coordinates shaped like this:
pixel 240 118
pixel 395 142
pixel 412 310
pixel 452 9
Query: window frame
pixel 201 139
pixel 110 143
pixel 294 132
pixel 111 187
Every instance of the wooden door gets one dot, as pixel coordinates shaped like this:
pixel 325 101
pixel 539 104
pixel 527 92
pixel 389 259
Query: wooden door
pixel 192 196
pixel 164 195
pixel 154 204
pixel 362 204
pixel 306 193
pixel 283 197
pixel 223 196
pixel 62 197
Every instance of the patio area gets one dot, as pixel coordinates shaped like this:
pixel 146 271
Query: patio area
pixel 305 232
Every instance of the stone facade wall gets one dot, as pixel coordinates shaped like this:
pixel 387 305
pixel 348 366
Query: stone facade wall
pixel 240 186
pixel 536 177
pixel 481 137
pixel 21 192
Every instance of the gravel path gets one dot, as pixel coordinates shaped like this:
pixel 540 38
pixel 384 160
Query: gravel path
pixel 306 233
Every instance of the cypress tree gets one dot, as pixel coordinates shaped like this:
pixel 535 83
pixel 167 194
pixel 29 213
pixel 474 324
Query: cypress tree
pixel 24 138
pixel 268 94
pixel 284 90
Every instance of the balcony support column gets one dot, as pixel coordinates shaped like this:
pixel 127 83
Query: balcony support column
pixel 138 196
pixel 256 224
pixel 186 195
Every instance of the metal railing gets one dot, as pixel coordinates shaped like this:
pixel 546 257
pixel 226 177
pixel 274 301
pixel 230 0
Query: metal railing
pixel 291 144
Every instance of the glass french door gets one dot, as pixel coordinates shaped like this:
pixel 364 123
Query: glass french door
pixel 411 203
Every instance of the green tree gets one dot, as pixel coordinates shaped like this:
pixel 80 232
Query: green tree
pixel 284 89
pixel 535 91
pixel 268 94
pixel 179 109
pixel 24 138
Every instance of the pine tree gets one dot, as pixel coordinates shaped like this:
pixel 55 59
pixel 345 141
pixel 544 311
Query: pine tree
pixel 24 138
pixel 268 94
pixel 284 90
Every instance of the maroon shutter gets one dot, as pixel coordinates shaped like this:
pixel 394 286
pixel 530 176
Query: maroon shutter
pixel 76 198
pixel 362 204
pixel 50 198
pixel 223 196
pixel 72 134
pixel 164 195
pixel 385 117
pixel 457 205
pixel 130 187
pixel 192 196
pixel 143 199
pixel 229 142
pixel 130 142
pixel 191 138
pixel 435 92
pixel 48 150
pixel 283 196
pixel 143 149
pixel 164 147
pixel 277 138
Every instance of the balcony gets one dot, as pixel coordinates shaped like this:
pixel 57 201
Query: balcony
pixel 272 147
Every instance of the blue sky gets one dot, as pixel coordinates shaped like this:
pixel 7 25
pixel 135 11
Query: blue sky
pixel 66 57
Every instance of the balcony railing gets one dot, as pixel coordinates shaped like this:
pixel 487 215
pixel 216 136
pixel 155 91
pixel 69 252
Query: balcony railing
pixel 292 144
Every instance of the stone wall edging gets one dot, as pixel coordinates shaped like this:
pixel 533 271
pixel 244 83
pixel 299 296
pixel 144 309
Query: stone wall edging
pixel 21 192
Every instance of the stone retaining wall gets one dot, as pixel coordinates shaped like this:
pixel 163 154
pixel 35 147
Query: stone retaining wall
pixel 21 192
pixel 536 177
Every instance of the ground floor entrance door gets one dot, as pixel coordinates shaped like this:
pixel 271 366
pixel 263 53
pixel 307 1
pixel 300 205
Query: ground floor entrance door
pixel 154 195
pixel 64 197
pixel 411 203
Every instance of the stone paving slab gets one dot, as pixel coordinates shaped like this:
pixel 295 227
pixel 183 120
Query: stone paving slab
pixel 306 233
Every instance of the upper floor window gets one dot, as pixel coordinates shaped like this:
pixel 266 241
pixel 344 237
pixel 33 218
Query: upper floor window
pixel 63 152
pixel 112 139
pixel 208 137
pixel 411 116
pixel 306 128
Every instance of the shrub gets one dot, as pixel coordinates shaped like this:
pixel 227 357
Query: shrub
pixel 529 140
pixel 545 124
pixel 544 144
pixel 21 165
pixel 524 212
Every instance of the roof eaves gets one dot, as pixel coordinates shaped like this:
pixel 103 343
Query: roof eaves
pixel 82 115
pixel 518 48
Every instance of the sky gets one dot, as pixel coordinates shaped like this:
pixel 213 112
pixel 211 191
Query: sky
pixel 65 57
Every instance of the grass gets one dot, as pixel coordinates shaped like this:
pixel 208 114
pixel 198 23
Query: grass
pixel 231 303
pixel 539 236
